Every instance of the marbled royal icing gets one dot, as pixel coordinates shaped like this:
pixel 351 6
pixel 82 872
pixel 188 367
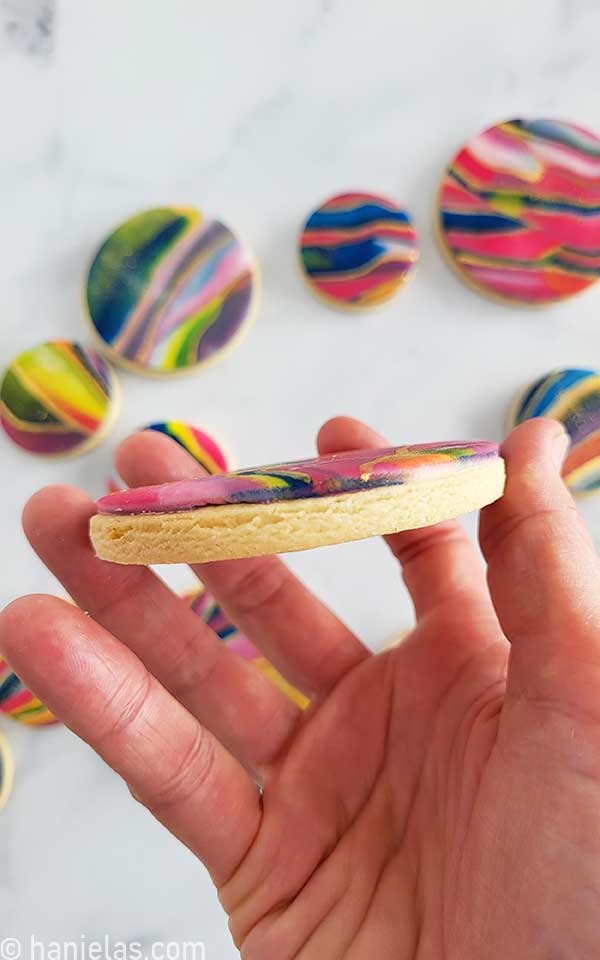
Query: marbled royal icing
pixel 356 249
pixel 206 607
pixel 56 397
pixel 198 443
pixel 19 702
pixel 520 210
pixel 572 397
pixel 170 289
pixel 324 476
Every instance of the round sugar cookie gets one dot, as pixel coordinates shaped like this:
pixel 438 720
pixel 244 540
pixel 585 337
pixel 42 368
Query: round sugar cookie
pixel 296 506
pixel 171 290
pixel 58 399
pixel 357 249
pixel 519 211
pixel 206 607
pixel 6 771
pixel 202 447
pixel 571 396
pixel 19 703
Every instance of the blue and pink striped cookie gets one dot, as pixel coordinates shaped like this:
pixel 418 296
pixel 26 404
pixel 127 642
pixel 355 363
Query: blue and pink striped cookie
pixel 358 249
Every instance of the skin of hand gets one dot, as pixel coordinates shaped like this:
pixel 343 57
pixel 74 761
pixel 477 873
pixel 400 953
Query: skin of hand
pixel 439 801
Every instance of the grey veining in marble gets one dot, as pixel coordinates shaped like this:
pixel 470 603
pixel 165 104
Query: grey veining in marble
pixel 28 26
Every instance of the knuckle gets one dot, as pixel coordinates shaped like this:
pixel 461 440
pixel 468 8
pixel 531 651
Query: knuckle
pixel 126 586
pixel 259 585
pixel 538 527
pixel 126 707
pixel 191 670
pixel 190 775
pixel 411 549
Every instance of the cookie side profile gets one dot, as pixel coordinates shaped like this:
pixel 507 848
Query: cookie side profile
pixel 6 771
pixel 298 506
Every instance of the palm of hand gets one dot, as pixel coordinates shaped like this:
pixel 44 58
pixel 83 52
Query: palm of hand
pixel 433 802
pixel 427 814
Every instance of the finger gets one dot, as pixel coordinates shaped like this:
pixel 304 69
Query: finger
pixel 100 689
pixel 542 566
pixel 439 563
pixel 246 712
pixel 303 639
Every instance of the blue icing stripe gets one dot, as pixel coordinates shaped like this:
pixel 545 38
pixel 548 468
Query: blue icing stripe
pixel 477 222
pixel 525 199
pixel 533 406
pixel 355 216
pixel 554 130
pixel 9 687
pixel 346 256
pixel 569 267
pixel 115 303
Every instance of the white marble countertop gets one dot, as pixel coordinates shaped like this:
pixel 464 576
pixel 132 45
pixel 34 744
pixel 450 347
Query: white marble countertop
pixel 254 112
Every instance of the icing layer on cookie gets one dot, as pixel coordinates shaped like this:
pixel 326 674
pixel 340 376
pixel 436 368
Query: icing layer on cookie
pixel 170 288
pixel 520 210
pixel 320 477
pixel 55 397
pixel 198 443
pixel 20 703
pixel 571 396
pixel 357 248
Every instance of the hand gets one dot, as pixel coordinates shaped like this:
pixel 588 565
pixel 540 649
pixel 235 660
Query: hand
pixel 440 800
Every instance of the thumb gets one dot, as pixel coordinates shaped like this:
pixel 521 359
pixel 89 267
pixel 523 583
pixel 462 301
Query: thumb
pixel 543 570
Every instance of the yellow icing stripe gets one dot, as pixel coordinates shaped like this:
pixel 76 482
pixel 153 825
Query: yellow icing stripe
pixel 569 398
pixel 268 670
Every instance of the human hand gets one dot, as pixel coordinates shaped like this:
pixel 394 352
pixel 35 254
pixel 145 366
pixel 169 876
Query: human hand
pixel 439 800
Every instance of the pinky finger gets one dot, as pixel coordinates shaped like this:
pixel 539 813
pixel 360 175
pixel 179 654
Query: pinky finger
pixel 100 689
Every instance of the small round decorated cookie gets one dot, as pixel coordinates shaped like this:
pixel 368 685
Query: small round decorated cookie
pixel 6 771
pixel 19 703
pixel 357 249
pixel 519 211
pixel 197 442
pixel 571 396
pixel 171 290
pixel 58 399
pixel 296 506
pixel 207 608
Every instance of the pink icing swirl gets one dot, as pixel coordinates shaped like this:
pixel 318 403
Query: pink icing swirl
pixel 320 477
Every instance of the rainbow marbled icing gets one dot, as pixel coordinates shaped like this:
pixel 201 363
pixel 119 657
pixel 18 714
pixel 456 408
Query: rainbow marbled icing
pixel 571 396
pixel 56 398
pixel 207 608
pixel 519 210
pixel 18 702
pixel 169 289
pixel 356 249
pixel 198 443
pixel 324 476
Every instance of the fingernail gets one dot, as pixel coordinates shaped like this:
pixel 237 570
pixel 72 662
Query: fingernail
pixel 560 445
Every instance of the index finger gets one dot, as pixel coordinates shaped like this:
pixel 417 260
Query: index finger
pixel 100 689
pixel 298 633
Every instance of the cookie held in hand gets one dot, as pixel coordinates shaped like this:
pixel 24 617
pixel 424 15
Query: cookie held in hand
pixel 297 506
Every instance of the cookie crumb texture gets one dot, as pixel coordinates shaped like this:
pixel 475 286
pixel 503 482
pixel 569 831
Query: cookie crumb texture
pixel 241 530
